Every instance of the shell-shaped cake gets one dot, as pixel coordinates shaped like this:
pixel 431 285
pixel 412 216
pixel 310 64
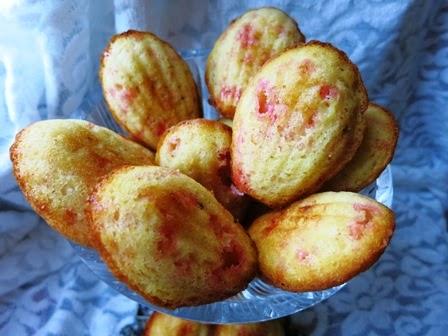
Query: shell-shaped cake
pixel 168 238
pixel 200 148
pixel 58 162
pixel 247 43
pixel 147 86
pixel 270 328
pixel 375 152
pixel 321 241
pixel 165 325
pixel 299 121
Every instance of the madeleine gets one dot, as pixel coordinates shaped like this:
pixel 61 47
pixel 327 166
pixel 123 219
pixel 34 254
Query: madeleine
pixel 375 152
pixel 58 162
pixel 200 149
pixel 147 86
pixel 247 43
pixel 299 121
pixel 270 328
pixel 322 241
pixel 165 325
pixel 168 238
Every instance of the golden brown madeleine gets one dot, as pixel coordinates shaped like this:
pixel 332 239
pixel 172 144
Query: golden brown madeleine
pixel 322 241
pixel 375 152
pixel 242 49
pixel 165 325
pixel 299 121
pixel 271 328
pixel 168 238
pixel 200 149
pixel 58 162
pixel 147 85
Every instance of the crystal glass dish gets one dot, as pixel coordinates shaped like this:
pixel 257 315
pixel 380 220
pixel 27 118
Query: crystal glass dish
pixel 260 301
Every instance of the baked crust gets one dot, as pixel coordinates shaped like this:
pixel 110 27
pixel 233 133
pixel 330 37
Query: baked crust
pixel 57 162
pixel 247 43
pixel 297 124
pixel 167 238
pixel 147 86
pixel 270 328
pixel 165 325
pixel 200 148
pixel 373 155
pixel 321 241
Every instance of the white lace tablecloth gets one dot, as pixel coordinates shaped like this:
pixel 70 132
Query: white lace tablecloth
pixel 48 59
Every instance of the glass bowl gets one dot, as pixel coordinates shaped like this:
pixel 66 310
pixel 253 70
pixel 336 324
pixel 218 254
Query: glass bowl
pixel 260 301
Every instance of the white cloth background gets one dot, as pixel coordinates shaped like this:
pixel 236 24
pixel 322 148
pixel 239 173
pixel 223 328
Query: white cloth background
pixel 49 52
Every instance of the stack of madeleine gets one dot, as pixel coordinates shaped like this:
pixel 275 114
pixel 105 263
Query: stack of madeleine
pixel 187 211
